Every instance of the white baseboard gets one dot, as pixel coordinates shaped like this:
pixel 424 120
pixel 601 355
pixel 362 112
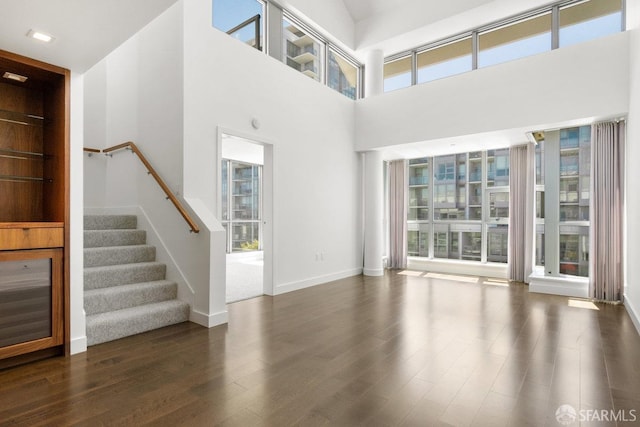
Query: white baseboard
pixel 373 272
pixel 313 281
pixel 209 320
pixel 633 313
pixel 78 345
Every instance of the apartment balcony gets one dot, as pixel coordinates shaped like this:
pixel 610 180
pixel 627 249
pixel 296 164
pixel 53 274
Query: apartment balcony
pixel 310 69
pixel 418 180
pixel 475 177
pixel 306 55
pixel 303 40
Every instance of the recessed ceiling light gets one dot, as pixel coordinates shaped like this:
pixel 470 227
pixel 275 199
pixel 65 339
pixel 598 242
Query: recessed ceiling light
pixel 38 35
pixel 15 77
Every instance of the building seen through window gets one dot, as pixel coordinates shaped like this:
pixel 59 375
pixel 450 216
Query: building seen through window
pixel 300 46
pixel 241 205
pixel 572 183
pixel 462 201
pixel 342 75
pixel 302 52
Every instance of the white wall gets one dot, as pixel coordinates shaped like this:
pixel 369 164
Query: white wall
pixel 160 137
pixel 536 92
pixel 122 80
pixel 632 291
pixel 170 95
pixel 316 193
pixel 95 134
pixel 78 330
pixel 135 94
pixel 110 97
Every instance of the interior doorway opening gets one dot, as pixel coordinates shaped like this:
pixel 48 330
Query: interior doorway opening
pixel 242 201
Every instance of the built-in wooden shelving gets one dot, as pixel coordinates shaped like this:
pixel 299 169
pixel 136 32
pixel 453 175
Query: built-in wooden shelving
pixel 34 210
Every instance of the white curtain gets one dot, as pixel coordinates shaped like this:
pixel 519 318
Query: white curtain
pixel 521 212
pixel 607 205
pixel 398 214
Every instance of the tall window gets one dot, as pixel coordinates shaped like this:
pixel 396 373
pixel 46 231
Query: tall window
pixel 563 162
pixel 302 52
pixel 450 190
pixel 498 205
pixel 418 212
pixel 241 19
pixel 462 201
pixel 241 205
pixel 540 200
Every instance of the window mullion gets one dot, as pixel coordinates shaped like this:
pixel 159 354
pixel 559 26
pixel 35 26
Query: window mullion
pixel 555 27
pixel 474 50
pixel 552 203
pixel 485 209
pixel 229 208
pixel 430 205
pixel 414 68
pixel 273 33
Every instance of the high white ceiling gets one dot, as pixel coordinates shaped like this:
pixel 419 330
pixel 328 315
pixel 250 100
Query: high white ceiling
pixel 85 31
pixel 363 9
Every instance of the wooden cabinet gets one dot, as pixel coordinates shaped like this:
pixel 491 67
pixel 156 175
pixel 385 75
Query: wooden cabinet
pixel 31 235
pixel 34 208
pixel 31 301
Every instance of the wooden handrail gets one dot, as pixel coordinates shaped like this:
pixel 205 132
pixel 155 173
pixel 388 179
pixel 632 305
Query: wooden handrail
pixel 130 145
pixel 92 150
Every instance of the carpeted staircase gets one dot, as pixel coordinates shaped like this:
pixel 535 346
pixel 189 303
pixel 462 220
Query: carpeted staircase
pixel 125 291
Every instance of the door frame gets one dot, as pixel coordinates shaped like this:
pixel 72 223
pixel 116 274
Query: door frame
pixel 267 199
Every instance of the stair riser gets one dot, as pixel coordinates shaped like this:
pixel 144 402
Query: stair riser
pixel 97 278
pixel 110 222
pixel 127 296
pixel 102 328
pixel 125 290
pixel 105 238
pixel 115 255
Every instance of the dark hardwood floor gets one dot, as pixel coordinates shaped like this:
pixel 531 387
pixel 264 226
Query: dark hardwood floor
pixel 395 350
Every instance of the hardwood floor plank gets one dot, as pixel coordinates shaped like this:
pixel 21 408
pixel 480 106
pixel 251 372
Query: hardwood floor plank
pixel 387 351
